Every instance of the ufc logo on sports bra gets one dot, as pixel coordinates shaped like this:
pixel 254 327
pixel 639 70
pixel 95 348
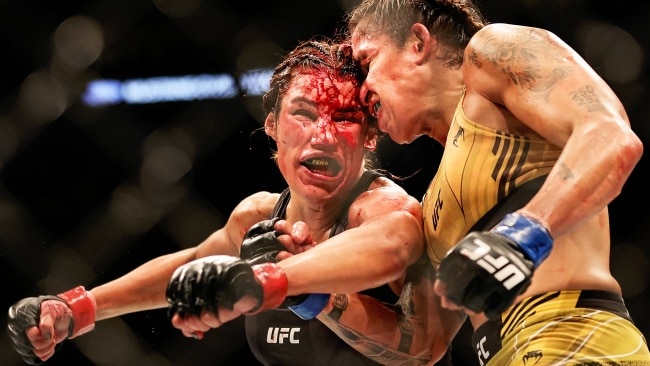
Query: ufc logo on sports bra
pixel 483 355
pixel 504 271
pixel 282 335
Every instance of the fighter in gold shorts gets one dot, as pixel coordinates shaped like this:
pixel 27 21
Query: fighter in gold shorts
pixel 563 328
pixel 484 175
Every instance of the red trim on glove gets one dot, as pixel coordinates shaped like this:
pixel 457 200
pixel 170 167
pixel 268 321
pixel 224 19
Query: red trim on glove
pixel 83 307
pixel 274 285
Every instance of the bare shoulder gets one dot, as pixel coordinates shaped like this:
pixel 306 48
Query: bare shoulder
pixel 249 211
pixel 500 47
pixel 385 195
pixel 504 58
pixel 502 36
pixel 258 205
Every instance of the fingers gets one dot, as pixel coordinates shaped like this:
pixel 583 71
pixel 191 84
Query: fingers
pixel 439 288
pixel 193 326
pixel 299 232
pixel 55 320
pixel 296 238
pixel 244 305
pixel 46 326
pixel 190 325
pixel 42 346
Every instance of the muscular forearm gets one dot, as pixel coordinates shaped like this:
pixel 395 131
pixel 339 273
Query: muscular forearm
pixel 141 289
pixel 414 331
pixel 589 174
pixel 383 333
pixel 357 259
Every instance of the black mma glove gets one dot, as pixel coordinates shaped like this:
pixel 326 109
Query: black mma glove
pixel 486 271
pixel 261 245
pixel 27 313
pixel 220 281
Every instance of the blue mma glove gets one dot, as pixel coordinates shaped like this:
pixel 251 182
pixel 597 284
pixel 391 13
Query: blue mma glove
pixel 486 271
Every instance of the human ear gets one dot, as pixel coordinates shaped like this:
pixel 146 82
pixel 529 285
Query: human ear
pixel 270 126
pixel 371 140
pixel 421 42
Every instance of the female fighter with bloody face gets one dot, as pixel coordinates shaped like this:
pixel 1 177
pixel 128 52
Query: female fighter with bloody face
pixel 342 229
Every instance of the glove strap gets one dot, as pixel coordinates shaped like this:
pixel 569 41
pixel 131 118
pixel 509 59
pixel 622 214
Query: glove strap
pixel 274 285
pixel 311 306
pixel 83 306
pixel 531 236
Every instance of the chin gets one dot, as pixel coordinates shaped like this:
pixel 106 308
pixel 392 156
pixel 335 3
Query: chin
pixel 398 139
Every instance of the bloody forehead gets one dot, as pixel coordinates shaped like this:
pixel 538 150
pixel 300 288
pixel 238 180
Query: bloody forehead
pixel 324 85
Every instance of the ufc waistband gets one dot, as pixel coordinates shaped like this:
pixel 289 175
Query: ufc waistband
pixel 559 327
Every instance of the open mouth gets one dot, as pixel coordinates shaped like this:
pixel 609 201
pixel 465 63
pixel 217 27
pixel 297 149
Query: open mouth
pixel 374 109
pixel 323 166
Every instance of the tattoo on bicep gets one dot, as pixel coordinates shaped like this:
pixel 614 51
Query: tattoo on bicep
pixel 526 60
pixel 587 97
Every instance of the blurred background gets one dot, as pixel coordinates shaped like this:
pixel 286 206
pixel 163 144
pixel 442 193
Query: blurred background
pixel 129 129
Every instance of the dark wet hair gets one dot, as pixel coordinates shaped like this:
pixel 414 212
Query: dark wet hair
pixel 454 22
pixel 335 58
pixel 317 54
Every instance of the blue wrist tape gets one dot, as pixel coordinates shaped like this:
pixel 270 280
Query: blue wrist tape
pixel 311 307
pixel 531 236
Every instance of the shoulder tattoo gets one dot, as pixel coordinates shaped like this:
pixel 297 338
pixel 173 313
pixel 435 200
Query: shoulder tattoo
pixel 526 58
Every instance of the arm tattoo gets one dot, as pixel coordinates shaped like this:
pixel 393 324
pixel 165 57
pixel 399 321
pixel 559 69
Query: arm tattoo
pixel 340 304
pixel 407 311
pixel 527 60
pixel 374 350
pixel 587 97
pixel 564 172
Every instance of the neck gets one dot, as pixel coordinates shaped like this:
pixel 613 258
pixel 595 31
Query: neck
pixel 445 97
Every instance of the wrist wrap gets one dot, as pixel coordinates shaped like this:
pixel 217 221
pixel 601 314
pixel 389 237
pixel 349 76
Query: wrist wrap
pixel 274 285
pixel 311 306
pixel 83 306
pixel 531 237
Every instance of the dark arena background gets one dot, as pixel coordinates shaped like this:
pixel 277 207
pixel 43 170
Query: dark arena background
pixel 129 129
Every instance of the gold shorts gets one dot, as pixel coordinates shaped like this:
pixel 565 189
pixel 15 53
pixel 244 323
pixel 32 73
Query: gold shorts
pixel 563 328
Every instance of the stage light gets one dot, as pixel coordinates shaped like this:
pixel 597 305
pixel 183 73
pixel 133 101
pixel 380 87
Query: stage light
pixel 103 92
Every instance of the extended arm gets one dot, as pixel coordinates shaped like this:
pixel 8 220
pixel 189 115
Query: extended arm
pixel 37 324
pixel 383 238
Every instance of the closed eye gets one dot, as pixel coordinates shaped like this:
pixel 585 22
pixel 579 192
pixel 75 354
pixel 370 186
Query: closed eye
pixel 355 116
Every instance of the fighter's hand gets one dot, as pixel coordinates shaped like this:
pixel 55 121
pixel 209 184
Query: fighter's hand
pixel 295 237
pixel 486 271
pixel 36 325
pixel 261 244
pixel 212 290
pixel 274 239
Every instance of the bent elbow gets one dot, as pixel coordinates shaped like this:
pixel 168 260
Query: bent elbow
pixel 634 149
pixel 406 241
pixel 630 153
